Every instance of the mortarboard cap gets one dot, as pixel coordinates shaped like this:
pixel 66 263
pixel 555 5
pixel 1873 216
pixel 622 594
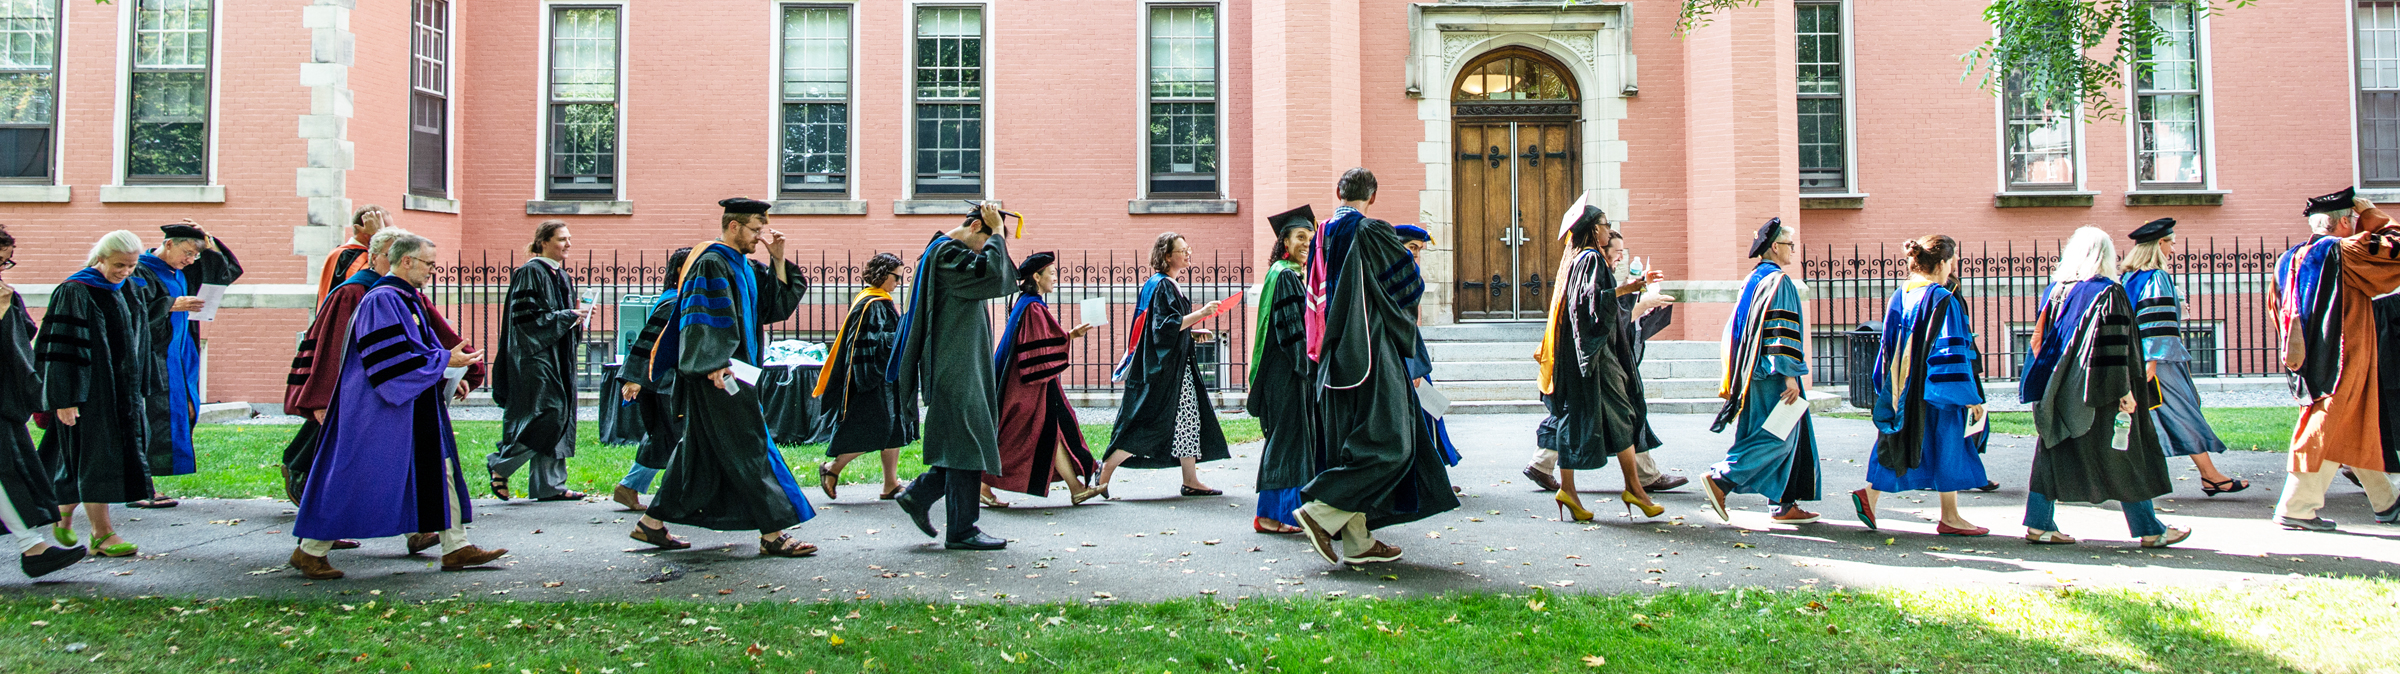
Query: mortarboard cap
pixel 2154 230
pixel 183 231
pixel 2338 201
pixel 745 205
pixel 1766 236
pixel 1579 214
pixel 1034 263
pixel 1298 217
pixel 1413 233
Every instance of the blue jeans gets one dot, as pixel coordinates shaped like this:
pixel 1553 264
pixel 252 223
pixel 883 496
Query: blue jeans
pixel 2140 517
pixel 638 478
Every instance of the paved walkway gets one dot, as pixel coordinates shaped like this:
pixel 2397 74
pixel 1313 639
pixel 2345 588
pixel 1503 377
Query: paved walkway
pixel 1153 545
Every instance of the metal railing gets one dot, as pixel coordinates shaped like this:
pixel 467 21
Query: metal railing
pixel 472 293
pixel 2226 322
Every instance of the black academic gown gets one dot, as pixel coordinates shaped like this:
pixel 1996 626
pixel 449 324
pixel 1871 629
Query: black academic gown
pixel 1383 460
pixel 534 383
pixel 2387 349
pixel 861 411
pixel 1155 374
pixel 727 474
pixel 2074 418
pixel 23 476
pixel 93 355
pixel 1594 409
pixel 662 423
pixel 1283 390
pixel 946 352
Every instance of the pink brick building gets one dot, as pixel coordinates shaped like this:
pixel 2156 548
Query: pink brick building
pixel 1108 122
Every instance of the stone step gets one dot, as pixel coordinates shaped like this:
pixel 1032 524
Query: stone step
pixel 1677 349
pixel 1447 352
pixel 1690 387
pixel 1498 407
pixel 1663 368
pixel 1492 370
pixel 1485 391
pixel 1513 331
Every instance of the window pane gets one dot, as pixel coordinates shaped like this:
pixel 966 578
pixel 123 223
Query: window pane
pixel 28 34
pixel 1183 138
pixel 25 153
pixel 429 48
pixel 1183 52
pixel 2174 57
pixel 583 147
pixel 2041 142
pixel 169 130
pixel 2169 150
pixel 816 53
pixel 2378 47
pixel 171 34
pixel 949 149
pixel 1824 153
pixel 1820 39
pixel 583 55
pixel 27 98
pixel 949 53
pixel 816 147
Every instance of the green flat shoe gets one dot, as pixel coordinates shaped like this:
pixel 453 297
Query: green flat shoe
pixel 118 550
pixel 65 535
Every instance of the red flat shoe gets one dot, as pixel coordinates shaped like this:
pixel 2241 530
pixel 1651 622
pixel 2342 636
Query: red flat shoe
pixel 1947 530
pixel 1268 526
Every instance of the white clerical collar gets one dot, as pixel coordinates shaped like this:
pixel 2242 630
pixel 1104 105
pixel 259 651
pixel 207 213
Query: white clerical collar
pixel 545 259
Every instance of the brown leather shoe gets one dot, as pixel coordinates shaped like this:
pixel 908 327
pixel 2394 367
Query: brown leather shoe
pixel 420 542
pixel 1667 483
pixel 1382 552
pixel 460 559
pixel 1541 479
pixel 313 567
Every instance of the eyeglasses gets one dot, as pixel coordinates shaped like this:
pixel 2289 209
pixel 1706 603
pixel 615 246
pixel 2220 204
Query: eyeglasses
pixel 8 264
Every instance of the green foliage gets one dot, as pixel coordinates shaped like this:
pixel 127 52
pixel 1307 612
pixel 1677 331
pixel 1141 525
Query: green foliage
pixel 2055 53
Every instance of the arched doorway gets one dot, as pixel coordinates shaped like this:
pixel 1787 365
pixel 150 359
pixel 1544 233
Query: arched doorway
pixel 1514 118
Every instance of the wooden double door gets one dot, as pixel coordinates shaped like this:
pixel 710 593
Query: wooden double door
pixel 1514 178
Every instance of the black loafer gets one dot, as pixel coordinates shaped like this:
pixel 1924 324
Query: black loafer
pixel 1988 487
pixel 980 541
pixel 50 560
pixel 1188 491
pixel 922 514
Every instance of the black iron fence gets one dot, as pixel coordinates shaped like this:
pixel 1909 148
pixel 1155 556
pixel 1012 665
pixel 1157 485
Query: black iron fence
pixel 2226 321
pixel 472 292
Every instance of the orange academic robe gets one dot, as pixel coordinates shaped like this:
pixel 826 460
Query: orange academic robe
pixel 2330 428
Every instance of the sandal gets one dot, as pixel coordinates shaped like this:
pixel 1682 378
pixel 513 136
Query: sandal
pixel 658 538
pixel 784 546
pixel 891 493
pixel 2209 488
pixel 500 487
pixel 2037 537
pixel 828 479
pixel 2172 536
pixel 65 533
pixel 121 549
pixel 991 501
pixel 568 495
pixel 154 502
pixel 1268 526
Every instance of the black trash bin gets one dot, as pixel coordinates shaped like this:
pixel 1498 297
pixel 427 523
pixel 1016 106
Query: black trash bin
pixel 1865 341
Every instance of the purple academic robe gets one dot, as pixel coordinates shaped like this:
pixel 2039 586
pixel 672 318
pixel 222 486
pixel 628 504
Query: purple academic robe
pixel 387 451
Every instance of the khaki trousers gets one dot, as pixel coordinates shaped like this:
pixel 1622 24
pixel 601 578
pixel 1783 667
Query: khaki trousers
pixel 2304 493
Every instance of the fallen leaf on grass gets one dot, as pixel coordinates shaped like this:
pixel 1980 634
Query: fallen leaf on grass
pixel 1535 604
pixel 754 650
pixel 834 640
pixel 1594 661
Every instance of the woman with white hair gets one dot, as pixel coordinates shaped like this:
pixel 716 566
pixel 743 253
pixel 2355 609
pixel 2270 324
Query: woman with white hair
pixel 2158 322
pixel 92 354
pixel 2088 397
pixel 1765 362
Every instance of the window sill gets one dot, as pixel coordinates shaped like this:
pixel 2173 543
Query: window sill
pixel 2380 196
pixel 818 207
pixel 1183 207
pixel 2059 199
pixel 412 202
pixel 956 206
pixel 2175 198
pixel 1833 202
pixel 36 194
pixel 162 194
pixel 579 208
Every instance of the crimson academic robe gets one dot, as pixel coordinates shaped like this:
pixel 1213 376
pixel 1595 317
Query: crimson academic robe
pixel 316 372
pixel 1035 418
pixel 93 355
pixel 387 461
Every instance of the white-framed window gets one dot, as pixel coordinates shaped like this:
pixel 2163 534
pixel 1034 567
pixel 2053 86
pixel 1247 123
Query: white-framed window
pixel 166 131
pixel 28 90
pixel 429 99
pixel 2169 152
pixel 1824 96
pixel 583 91
pixel 948 94
pixel 2378 46
pixel 2039 142
pixel 1184 93
pixel 815 90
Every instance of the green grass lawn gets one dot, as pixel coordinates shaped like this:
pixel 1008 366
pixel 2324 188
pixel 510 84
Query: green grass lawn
pixel 240 461
pixel 2328 626
pixel 2257 429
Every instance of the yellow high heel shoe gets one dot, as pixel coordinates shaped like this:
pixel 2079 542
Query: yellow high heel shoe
pixel 1648 510
pixel 1567 504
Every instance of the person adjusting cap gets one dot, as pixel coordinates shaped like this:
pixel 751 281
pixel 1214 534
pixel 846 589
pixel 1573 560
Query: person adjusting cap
pixel 745 205
pixel 2335 202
